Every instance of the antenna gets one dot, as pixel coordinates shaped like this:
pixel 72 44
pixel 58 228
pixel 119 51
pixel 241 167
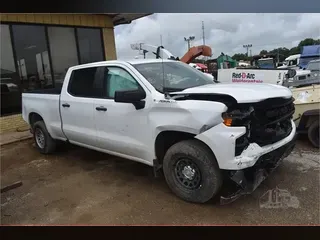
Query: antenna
pixel 163 79
pixel 203 38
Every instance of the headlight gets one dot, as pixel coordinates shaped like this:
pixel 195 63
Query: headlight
pixel 227 119
pixel 238 117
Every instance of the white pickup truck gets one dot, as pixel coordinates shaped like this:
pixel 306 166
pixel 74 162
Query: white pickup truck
pixel 167 115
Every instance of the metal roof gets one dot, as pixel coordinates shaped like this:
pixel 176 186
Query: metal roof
pixel 125 18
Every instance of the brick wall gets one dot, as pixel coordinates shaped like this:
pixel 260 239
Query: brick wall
pixel 12 123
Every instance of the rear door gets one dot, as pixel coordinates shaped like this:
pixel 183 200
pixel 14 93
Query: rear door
pixel 76 104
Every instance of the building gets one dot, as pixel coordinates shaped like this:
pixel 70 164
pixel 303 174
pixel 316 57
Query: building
pixel 37 49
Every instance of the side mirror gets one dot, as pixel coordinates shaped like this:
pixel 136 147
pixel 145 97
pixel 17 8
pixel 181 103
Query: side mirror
pixel 291 73
pixel 131 96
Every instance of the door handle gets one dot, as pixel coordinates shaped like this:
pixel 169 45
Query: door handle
pixel 101 109
pixel 65 105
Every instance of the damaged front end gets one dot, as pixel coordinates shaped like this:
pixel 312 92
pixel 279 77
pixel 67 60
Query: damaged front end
pixel 245 181
pixel 267 123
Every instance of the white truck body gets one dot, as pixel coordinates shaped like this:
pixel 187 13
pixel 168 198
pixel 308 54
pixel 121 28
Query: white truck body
pixel 123 130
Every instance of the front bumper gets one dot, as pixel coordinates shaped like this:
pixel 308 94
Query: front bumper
pixel 222 141
pixel 245 181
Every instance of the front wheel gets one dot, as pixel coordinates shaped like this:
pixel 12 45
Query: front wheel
pixel 313 133
pixel 192 172
pixel 44 142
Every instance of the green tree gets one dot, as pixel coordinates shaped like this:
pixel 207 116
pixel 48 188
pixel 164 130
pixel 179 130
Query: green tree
pixel 308 41
pixel 282 51
pixel 263 52
pixel 240 56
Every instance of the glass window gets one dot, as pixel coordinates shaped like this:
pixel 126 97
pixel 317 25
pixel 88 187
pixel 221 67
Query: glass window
pixel 63 51
pixel 10 94
pixel 118 79
pixel 172 76
pixel 82 82
pixel 32 56
pixel 314 66
pixel 90 45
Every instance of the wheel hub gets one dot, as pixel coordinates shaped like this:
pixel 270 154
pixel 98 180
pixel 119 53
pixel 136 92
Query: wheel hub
pixel 40 139
pixel 188 174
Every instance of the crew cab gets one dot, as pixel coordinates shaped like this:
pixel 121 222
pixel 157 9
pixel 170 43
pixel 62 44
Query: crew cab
pixel 172 117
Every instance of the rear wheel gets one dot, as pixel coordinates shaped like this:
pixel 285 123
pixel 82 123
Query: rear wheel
pixel 44 142
pixel 313 133
pixel 192 171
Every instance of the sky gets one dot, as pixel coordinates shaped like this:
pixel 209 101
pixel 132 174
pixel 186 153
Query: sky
pixel 224 32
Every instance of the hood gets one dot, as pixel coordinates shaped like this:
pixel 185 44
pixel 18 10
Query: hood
pixel 242 93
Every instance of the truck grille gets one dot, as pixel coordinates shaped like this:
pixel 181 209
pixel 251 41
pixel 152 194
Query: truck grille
pixel 271 120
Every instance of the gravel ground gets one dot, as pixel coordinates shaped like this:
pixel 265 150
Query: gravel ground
pixel 80 186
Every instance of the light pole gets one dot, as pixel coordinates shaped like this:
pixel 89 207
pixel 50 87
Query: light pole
pixel 188 40
pixel 247 46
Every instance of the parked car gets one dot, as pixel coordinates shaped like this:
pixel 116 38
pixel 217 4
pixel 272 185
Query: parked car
pixel 172 117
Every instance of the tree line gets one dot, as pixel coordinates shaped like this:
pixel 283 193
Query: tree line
pixel 282 52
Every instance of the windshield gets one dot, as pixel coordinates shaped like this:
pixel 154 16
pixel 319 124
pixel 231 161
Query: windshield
pixel 176 76
pixel 265 63
pixel 304 61
pixel 314 66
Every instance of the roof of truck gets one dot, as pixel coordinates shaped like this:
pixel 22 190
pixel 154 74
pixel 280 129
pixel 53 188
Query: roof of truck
pixel 151 60
pixel 133 62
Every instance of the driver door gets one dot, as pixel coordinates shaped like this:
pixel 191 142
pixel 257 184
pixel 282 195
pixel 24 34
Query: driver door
pixel 119 125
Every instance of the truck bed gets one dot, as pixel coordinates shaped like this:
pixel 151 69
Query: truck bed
pixel 46 103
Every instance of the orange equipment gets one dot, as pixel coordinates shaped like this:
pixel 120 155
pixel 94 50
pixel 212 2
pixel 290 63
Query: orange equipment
pixel 195 52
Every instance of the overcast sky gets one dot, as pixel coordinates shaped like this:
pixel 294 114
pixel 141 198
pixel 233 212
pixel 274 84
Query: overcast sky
pixel 225 33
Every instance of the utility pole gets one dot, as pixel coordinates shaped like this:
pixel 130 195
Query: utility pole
pixel 203 36
pixel 247 46
pixel 188 40
pixel 204 41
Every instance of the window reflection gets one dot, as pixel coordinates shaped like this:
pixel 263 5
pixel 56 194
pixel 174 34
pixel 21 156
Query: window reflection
pixel 90 45
pixel 10 94
pixel 63 50
pixel 32 56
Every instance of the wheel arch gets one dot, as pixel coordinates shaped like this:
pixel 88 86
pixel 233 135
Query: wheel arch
pixel 167 138
pixel 34 117
pixel 307 118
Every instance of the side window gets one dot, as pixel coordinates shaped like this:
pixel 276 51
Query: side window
pixel 118 79
pixel 82 83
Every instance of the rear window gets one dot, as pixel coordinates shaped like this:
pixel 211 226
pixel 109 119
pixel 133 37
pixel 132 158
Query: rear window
pixel 82 82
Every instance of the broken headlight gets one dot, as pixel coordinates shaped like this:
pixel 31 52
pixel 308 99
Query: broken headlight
pixel 237 117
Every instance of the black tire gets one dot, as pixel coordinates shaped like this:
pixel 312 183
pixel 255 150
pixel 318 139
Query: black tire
pixel 200 157
pixel 313 133
pixel 49 144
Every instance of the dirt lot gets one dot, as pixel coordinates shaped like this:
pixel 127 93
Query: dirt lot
pixel 80 186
